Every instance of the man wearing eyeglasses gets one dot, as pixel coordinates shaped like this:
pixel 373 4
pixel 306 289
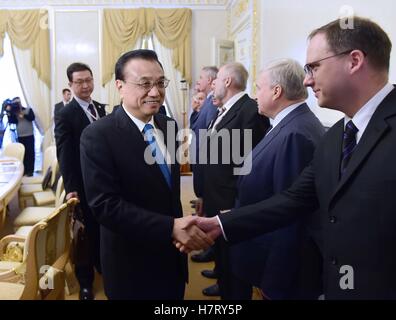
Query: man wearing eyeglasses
pixel 133 187
pixel 71 120
pixel 349 188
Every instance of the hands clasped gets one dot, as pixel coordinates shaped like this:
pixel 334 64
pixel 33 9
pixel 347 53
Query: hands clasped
pixel 195 233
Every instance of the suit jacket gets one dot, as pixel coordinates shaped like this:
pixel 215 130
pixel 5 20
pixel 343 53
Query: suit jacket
pixel 356 211
pixel 58 107
pixel 220 181
pixel 70 123
pixel 193 118
pixel 135 209
pixel 204 117
pixel 271 261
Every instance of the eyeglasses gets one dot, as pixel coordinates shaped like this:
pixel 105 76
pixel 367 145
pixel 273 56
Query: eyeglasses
pixel 148 85
pixel 309 67
pixel 81 82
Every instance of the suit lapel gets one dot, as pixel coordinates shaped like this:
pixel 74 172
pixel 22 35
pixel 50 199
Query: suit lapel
pixel 376 129
pixel 137 143
pixel 80 114
pixel 269 137
pixel 162 124
pixel 101 110
pixel 231 114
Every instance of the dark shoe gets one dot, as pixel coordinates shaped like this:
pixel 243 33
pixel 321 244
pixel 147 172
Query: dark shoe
pixel 86 294
pixel 212 291
pixel 204 256
pixel 211 274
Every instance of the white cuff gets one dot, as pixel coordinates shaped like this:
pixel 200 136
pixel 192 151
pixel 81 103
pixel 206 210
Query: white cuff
pixel 221 227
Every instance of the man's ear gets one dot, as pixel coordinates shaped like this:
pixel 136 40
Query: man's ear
pixel 356 59
pixel 119 84
pixel 277 92
pixel 228 82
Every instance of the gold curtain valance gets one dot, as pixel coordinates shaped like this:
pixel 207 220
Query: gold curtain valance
pixel 122 28
pixel 28 29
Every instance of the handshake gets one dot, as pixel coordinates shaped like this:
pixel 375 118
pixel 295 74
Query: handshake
pixel 195 233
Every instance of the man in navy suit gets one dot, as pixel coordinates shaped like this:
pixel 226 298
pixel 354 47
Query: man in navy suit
pixel 271 262
pixel 206 114
pixel 133 187
pixel 349 187
pixel 199 122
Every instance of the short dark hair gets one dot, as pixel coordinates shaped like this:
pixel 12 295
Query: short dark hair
pixel 65 90
pixel 76 67
pixel 365 35
pixel 144 54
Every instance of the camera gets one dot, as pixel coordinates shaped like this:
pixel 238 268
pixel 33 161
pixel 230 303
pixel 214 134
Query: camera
pixel 11 108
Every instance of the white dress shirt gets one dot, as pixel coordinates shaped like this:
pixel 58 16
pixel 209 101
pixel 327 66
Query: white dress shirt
pixel 84 105
pixel 158 135
pixel 227 106
pixel 363 116
pixel 281 115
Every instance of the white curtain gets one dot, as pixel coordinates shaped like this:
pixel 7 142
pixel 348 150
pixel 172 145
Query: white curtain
pixel 174 96
pixel 36 92
pixel 111 93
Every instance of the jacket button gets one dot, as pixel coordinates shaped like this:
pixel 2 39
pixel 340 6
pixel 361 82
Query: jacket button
pixel 333 219
pixel 334 261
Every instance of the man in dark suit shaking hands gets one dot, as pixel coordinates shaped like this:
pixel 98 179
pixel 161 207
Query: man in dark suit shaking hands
pixel 71 120
pixel 133 187
pixel 352 178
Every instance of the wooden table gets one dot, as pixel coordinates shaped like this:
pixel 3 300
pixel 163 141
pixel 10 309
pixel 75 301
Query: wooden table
pixel 11 172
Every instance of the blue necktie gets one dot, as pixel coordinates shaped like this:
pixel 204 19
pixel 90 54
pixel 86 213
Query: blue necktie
pixel 348 144
pixel 148 131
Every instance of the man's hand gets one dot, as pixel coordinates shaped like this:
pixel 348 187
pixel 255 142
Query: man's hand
pixel 189 236
pixel 73 194
pixel 210 226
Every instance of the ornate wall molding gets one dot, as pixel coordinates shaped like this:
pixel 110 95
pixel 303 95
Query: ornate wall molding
pixel 197 4
pixel 243 29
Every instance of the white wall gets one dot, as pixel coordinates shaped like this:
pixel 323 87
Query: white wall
pixel 285 25
pixel 76 40
pixel 206 25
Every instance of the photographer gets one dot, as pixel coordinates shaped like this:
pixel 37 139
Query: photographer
pixel 20 120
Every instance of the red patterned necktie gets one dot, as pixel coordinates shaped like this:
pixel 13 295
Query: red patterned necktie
pixel 92 112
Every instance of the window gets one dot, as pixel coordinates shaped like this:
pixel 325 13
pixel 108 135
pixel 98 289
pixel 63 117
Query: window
pixel 10 88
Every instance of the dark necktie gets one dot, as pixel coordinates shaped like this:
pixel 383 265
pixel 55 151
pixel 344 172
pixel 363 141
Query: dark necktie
pixel 220 111
pixel 92 112
pixel 156 152
pixel 348 144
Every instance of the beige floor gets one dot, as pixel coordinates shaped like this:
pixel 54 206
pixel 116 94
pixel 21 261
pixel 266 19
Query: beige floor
pixel 196 281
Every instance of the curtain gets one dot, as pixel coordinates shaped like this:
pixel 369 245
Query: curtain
pixel 111 93
pixel 36 93
pixel 174 96
pixel 28 30
pixel 122 29
pixel 29 36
